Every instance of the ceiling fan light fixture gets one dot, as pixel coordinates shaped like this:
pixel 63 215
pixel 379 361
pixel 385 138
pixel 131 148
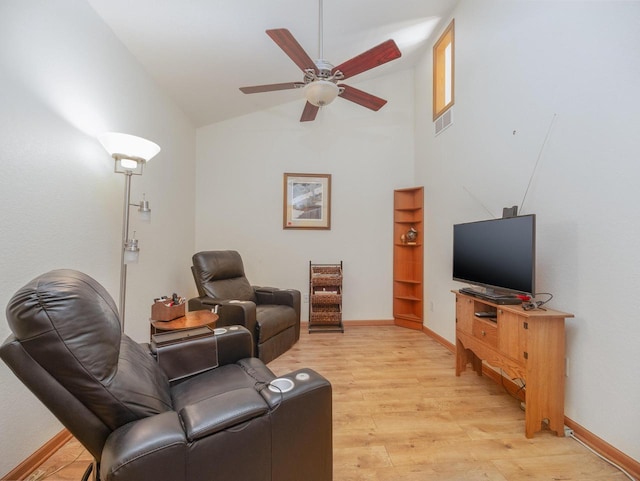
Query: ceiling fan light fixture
pixel 321 92
pixel 321 79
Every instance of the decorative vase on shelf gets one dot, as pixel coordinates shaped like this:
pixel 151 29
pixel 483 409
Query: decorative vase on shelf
pixel 411 236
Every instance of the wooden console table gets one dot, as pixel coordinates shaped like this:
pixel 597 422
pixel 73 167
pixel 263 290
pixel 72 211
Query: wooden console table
pixel 526 345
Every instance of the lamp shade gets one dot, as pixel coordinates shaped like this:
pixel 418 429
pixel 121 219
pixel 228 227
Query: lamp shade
pixel 131 251
pixel 144 211
pixel 128 146
pixel 321 92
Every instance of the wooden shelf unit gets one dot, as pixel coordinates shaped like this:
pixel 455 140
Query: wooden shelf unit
pixel 325 297
pixel 408 291
pixel 525 345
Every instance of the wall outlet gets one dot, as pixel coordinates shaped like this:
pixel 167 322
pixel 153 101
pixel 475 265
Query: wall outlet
pixel 568 431
pixel 305 298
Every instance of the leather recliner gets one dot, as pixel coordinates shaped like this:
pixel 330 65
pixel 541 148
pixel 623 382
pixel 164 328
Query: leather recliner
pixel 272 315
pixel 227 423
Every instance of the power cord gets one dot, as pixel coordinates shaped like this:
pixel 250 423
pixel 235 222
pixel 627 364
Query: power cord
pixel 258 386
pixel 521 387
pixel 261 386
pixel 529 306
pixel 569 433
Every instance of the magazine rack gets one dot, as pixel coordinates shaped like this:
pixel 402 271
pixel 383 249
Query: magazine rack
pixel 325 297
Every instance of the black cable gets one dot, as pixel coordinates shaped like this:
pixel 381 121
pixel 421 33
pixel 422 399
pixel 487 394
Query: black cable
pixel 521 388
pixel 514 395
pixel 258 386
pixel 261 386
pixel 87 473
pixel 542 303
pixel 528 306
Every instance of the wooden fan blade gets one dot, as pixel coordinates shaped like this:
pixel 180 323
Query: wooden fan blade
pixel 383 53
pixel 309 113
pixel 256 89
pixel 292 48
pixel 362 98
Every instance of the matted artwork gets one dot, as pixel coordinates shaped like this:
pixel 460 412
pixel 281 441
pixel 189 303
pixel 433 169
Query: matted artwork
pixel 307 201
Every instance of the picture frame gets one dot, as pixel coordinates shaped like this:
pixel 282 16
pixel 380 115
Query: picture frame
pixel 307 201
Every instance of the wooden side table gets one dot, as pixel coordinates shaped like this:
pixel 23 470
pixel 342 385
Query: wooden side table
pixel 190 319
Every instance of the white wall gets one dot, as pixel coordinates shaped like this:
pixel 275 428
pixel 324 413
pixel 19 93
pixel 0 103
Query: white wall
pixel 64 78
pixel 572 69
pixel 240 170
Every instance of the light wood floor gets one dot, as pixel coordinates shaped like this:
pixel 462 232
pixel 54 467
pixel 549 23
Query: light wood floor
pixel 401 414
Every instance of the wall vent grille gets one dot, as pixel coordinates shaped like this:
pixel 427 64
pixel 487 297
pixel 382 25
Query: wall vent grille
pixel 444 121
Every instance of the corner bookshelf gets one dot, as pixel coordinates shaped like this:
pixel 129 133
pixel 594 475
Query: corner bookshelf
pixel 408 292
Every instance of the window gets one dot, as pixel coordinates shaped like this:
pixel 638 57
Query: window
pixel 443 72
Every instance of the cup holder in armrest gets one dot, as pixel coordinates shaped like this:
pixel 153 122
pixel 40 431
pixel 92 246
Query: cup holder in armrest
pixel 223 330
pixel 281 385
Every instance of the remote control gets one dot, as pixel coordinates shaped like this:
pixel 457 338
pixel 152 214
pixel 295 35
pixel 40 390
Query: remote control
pixel 485 314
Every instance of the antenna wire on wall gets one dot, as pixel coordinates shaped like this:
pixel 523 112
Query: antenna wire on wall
pixel 535 167
pixel 479 201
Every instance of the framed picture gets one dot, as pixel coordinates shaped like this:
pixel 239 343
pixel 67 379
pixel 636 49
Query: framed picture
pixel 307 201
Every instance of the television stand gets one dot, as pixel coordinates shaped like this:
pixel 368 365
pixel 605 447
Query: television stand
pixel 527 345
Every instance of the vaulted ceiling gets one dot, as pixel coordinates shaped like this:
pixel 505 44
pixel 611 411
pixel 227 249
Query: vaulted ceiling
pixel 201 51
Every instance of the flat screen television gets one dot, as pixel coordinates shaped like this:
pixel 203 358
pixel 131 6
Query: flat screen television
pixel 499 254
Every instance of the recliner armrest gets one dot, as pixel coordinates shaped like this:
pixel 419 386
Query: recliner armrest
pixel 273 295
pixel 230 311
pixel 221 412
pixel 202 303
pixel 184 353
pixel 234 344
pixel 311 382
pixel 301 428
pixel 149 448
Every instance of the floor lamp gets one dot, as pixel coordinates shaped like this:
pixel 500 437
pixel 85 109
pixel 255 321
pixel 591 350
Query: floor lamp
pixel 130 154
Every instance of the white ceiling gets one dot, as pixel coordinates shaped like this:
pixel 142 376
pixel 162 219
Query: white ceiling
pixel 202 51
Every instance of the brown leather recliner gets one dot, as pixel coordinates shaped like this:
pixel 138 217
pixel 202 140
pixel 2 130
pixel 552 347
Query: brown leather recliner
pixel 272 315
pixel 229 422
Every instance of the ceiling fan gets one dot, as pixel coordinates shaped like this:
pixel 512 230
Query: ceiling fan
pixel 321 79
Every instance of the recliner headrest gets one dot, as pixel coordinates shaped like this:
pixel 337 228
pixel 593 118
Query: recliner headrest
pixel 68 303
pixel 68 323
pixel 220 274
pixel 218 265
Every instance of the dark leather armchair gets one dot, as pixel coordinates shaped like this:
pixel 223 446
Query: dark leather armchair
pixel 227 423
pixel 272 315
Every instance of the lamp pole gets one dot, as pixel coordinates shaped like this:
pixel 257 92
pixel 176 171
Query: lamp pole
pixel 130 154
pixel 125 240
